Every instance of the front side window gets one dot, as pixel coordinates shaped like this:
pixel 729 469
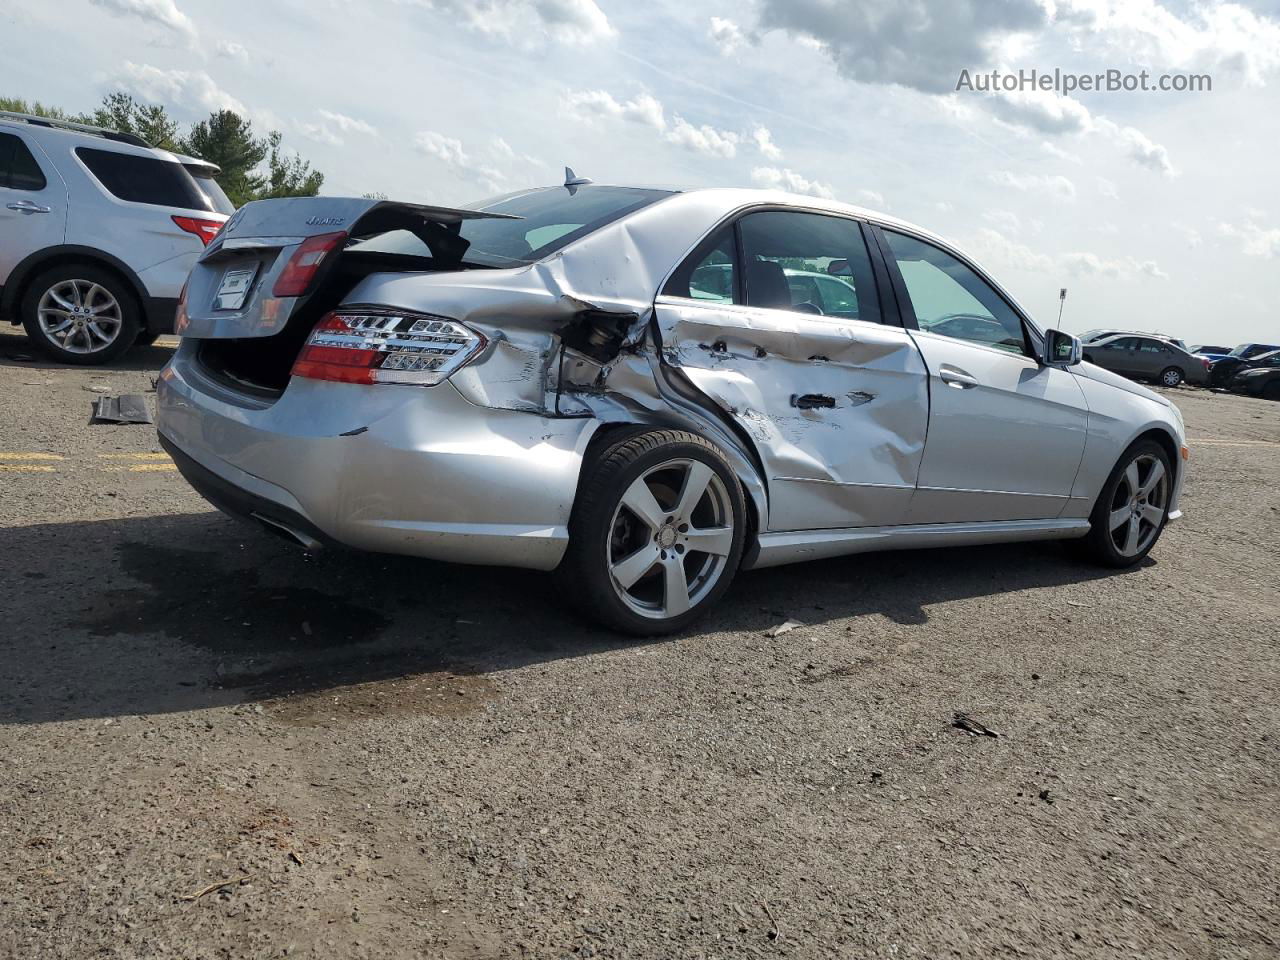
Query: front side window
pixel 710 273
pixel 950 299
pixel 139 179
pixel 809 263
pixel 18 168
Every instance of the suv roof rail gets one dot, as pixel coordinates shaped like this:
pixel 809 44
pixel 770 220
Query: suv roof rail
pixel 39 121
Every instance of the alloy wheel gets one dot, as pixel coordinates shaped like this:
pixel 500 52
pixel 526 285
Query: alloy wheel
pixel 80 316
pixel 1172 378
pixel 670 538
pixel 1139 504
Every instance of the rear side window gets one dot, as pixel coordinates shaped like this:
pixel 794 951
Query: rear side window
pixel 204 180
pixel 809 263
pixel 144 179
pixel 18 168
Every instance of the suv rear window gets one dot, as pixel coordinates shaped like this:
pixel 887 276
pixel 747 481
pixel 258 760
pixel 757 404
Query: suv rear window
pixel 127 176
pixel 205 181
pixel 18 168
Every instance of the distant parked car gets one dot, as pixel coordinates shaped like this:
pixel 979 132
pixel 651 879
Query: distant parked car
pixel 1093 336
pixel 1260 381
pixel 1223 370
pixel 98 231
pixel 1147 358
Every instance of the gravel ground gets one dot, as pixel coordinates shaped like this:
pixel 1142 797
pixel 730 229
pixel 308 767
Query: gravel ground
pixel 211 747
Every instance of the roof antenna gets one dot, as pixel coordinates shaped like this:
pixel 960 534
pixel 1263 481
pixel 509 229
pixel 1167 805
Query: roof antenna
pixel 572 181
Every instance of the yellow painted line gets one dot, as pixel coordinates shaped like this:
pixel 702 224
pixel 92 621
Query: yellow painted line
pixel 31 456
pixel 134 456
pixel 24 468
pixel 152 467
pixel 1237 443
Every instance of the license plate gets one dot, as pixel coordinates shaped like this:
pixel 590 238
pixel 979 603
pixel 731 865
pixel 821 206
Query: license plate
pixel 234 287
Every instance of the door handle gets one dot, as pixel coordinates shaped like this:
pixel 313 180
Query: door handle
pixel 26 206
pixel 812 401
pixel 955 377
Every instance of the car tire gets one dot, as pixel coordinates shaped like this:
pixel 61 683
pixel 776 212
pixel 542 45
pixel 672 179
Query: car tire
pixel 632 563
pixel 1271 391
pixel 81 314
pixel 1122 504
pixel 1171 377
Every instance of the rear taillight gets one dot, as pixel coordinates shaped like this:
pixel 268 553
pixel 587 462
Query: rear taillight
pixel 206 230
pixel 361 347
pixel 301 269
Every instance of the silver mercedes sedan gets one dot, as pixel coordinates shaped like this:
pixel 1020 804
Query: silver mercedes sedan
pixel 644 390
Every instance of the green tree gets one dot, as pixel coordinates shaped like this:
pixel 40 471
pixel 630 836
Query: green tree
pixel 227 139
pixel 33 108
pixel 288 175
pixel 151 122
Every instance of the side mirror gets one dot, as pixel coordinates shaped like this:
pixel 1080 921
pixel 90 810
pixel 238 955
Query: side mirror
pixel 1061 349
pixel 839 268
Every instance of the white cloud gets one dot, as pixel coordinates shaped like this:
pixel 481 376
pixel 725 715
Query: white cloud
pixel 193 89
pixel 1108 189
pixel 764 143
pixel 703 139
pixel 230 50
pixel 726 35
pixel 873 198
pixel 992 247
pixel 450 151
pixel 1055 151
pixel 1255 241
pixel 1137 146
pixel 161 13
pixel 923 45
pixel 593 104
pixel 772 178
pixel 1054 185
pixel 1005 220
pixel 1041 110
pixel 333 128
pixel 347 124
pixel 1189 234
pixel 566 21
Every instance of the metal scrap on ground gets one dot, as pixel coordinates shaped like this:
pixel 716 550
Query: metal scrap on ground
pixel 126 408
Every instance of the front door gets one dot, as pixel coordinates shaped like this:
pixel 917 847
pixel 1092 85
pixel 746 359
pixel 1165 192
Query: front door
pixel 1006 434
pixel 33 202
pixel 777 318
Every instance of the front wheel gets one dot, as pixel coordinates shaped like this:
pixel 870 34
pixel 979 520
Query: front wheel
pixel 1133 507
pixel 656 534
pixel 1171 377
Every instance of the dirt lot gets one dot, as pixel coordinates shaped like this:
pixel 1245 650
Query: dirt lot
pixel 212 747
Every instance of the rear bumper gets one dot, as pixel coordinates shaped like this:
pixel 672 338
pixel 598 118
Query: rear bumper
pixel 392 469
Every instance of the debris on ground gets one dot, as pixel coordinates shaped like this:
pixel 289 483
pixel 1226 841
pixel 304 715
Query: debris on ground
pixel 785 627
pixel 1044 795
pixel 126 408
pixel 976 728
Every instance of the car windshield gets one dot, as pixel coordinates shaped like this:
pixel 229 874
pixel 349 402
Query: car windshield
pixel 551 218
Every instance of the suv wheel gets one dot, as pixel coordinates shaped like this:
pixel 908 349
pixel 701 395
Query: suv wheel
pixel 79 313
pixel 1132 509
pixel 1171 377
pixel 656 533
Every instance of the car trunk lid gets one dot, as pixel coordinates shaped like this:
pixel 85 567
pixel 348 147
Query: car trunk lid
pixel 272 254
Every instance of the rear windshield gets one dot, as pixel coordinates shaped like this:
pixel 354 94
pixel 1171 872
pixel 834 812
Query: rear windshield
pixel 126 176
pixel 551 218
pixel 204 180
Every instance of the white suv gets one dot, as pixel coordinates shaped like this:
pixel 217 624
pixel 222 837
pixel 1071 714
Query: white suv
pixel 98 232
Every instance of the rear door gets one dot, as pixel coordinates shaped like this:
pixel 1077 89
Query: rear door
pixel 835 402
pixel 1006 434
pixel 33 201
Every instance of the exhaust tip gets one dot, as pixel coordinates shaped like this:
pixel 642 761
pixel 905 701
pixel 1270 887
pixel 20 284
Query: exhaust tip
pixel 304 540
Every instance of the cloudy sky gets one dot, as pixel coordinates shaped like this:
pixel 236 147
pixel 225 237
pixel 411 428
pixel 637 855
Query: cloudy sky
pixel 1158 210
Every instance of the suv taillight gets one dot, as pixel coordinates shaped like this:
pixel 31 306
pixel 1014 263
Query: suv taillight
pixel 206 230
pixel 301 269
pixel 352 346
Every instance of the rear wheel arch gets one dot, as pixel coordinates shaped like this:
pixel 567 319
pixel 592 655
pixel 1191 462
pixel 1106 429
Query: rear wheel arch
pixel 15 289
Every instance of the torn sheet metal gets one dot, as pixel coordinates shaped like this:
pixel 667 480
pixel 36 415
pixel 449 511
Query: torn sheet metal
pixel 127 408
pixel 837 409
